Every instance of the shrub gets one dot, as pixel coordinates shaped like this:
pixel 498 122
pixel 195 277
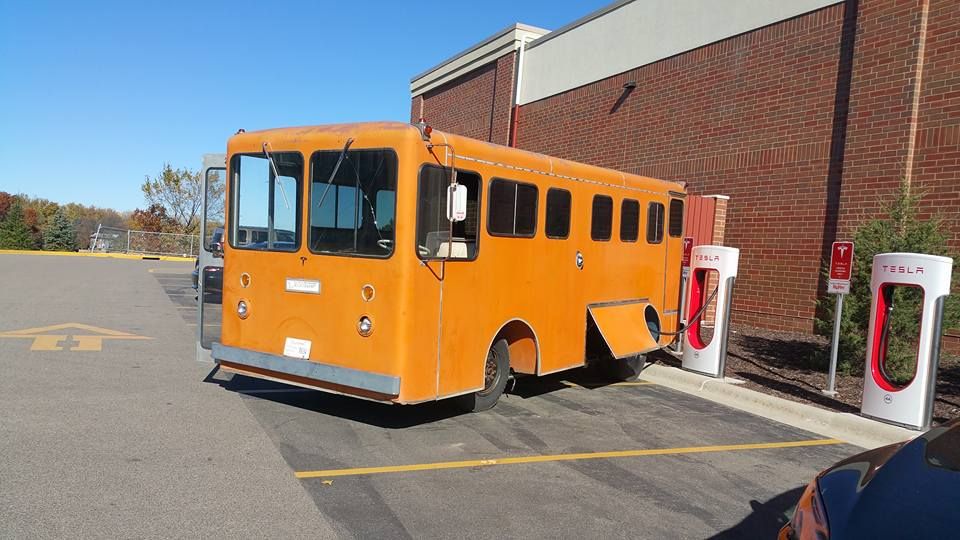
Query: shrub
pixel 900 230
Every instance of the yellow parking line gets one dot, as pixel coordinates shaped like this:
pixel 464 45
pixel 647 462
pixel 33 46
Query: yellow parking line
pixel 561 457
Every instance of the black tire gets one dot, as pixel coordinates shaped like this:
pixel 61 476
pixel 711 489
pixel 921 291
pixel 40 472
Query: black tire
pixel 496 374
pixel 624 370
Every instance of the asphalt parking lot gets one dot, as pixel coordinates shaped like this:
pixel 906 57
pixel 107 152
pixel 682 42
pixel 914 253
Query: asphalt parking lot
pixel 110 428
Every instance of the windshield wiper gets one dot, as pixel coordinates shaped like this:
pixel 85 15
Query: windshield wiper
pixel 343 154
pixel 276 176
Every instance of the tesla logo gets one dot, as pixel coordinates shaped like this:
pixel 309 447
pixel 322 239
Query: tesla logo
pixel 843 251
pixel 708 258
pixel 901 269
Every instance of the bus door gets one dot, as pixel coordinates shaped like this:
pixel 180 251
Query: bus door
pixel 209 269
pixel 673 238
pixel 448 250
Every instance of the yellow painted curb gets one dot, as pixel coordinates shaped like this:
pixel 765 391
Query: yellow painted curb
pixel 133 256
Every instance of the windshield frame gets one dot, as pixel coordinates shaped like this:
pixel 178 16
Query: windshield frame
pixel 232 225
pixel 322 184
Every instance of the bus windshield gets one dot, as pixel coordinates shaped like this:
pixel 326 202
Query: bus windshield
pixel 353 212
pixel 265 202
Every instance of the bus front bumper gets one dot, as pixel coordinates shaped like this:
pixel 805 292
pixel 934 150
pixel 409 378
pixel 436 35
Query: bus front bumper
pixel 386 385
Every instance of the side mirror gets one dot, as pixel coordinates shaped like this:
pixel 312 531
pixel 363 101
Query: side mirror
pixel 216 249
pixel 457 202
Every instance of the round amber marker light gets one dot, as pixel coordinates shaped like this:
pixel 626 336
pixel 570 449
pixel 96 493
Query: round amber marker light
pixel 244 280
pixel 367 292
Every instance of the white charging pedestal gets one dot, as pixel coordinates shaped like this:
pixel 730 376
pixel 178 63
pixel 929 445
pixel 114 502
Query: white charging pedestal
pixel 910 404
pixel 710 266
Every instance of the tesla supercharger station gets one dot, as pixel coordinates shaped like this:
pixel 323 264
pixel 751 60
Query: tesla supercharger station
pixel 909 404
pixel 710 266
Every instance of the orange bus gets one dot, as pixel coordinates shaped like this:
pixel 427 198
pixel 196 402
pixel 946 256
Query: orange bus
pixel 406 265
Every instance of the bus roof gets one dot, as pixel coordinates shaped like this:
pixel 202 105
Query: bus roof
pixel 470 150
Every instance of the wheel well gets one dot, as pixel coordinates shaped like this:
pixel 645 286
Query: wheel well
pixel 522 343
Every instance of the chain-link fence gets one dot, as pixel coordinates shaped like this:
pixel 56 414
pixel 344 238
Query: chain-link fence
pixel 114 240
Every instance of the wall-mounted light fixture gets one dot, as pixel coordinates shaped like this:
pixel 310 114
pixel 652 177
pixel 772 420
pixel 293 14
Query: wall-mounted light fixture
pixel 628 87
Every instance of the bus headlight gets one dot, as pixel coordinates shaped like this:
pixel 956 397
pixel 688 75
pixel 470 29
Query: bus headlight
pixel 365 326
pixel 242 309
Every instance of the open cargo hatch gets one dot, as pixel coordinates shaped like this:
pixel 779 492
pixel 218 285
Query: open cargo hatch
pixel 629 328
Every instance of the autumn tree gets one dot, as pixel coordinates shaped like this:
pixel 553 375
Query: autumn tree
pixel 86 219
pixel 153 219
pixel 34 222
pixel 180 193
pixel 6 200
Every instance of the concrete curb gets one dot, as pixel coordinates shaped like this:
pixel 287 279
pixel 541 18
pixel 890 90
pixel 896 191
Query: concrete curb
pixel 848 427
pixel 134 256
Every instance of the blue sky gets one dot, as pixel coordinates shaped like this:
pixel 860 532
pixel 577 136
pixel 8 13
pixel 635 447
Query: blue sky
pixel 96 95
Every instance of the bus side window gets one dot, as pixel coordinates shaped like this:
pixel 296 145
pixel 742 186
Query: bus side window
pixel 629 220
pixel 676 218
pixel 433 228
pixel 601 220
pixel 655 223
pixel 513 209
pixel 558 213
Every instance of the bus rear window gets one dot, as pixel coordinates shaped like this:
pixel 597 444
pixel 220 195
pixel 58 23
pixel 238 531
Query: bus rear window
pixel 601 220
pixel 629 220
pixel 513 209
pixel 266 204
pixel 353 205
pixel 558 213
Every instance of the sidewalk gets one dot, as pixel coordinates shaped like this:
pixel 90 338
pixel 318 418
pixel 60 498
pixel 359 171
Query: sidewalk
pixel 849 427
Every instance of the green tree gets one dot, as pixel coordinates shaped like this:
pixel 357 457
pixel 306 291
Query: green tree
pixel 180 193
pixel 901 230
pixel 59 234
pixel 14 232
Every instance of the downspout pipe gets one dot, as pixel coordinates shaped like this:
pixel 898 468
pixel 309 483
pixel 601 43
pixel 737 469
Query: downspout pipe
pixel 515 109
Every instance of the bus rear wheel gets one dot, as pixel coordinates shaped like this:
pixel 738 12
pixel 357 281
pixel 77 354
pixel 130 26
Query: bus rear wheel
pixel 496 371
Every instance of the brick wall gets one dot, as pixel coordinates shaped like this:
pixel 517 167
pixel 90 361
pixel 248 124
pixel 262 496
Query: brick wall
pixel 936 163
pixel 808 125
pixel 905 113
pixel 476 104
pixel 751 117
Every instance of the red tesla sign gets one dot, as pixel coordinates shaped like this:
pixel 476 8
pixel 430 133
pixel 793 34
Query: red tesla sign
pixel 841 261
pixel 687 250
pixel 841 268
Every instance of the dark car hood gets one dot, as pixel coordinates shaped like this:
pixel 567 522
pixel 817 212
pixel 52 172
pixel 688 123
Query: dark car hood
pixel 906 490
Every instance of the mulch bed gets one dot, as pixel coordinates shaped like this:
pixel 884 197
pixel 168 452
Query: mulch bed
pixel 775 363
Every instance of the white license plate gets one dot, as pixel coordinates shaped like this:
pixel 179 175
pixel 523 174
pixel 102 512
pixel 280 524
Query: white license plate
pixel 297 348
pixel 309 286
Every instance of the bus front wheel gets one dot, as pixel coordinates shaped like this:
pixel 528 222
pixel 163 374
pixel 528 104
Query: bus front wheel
pixel 496 371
